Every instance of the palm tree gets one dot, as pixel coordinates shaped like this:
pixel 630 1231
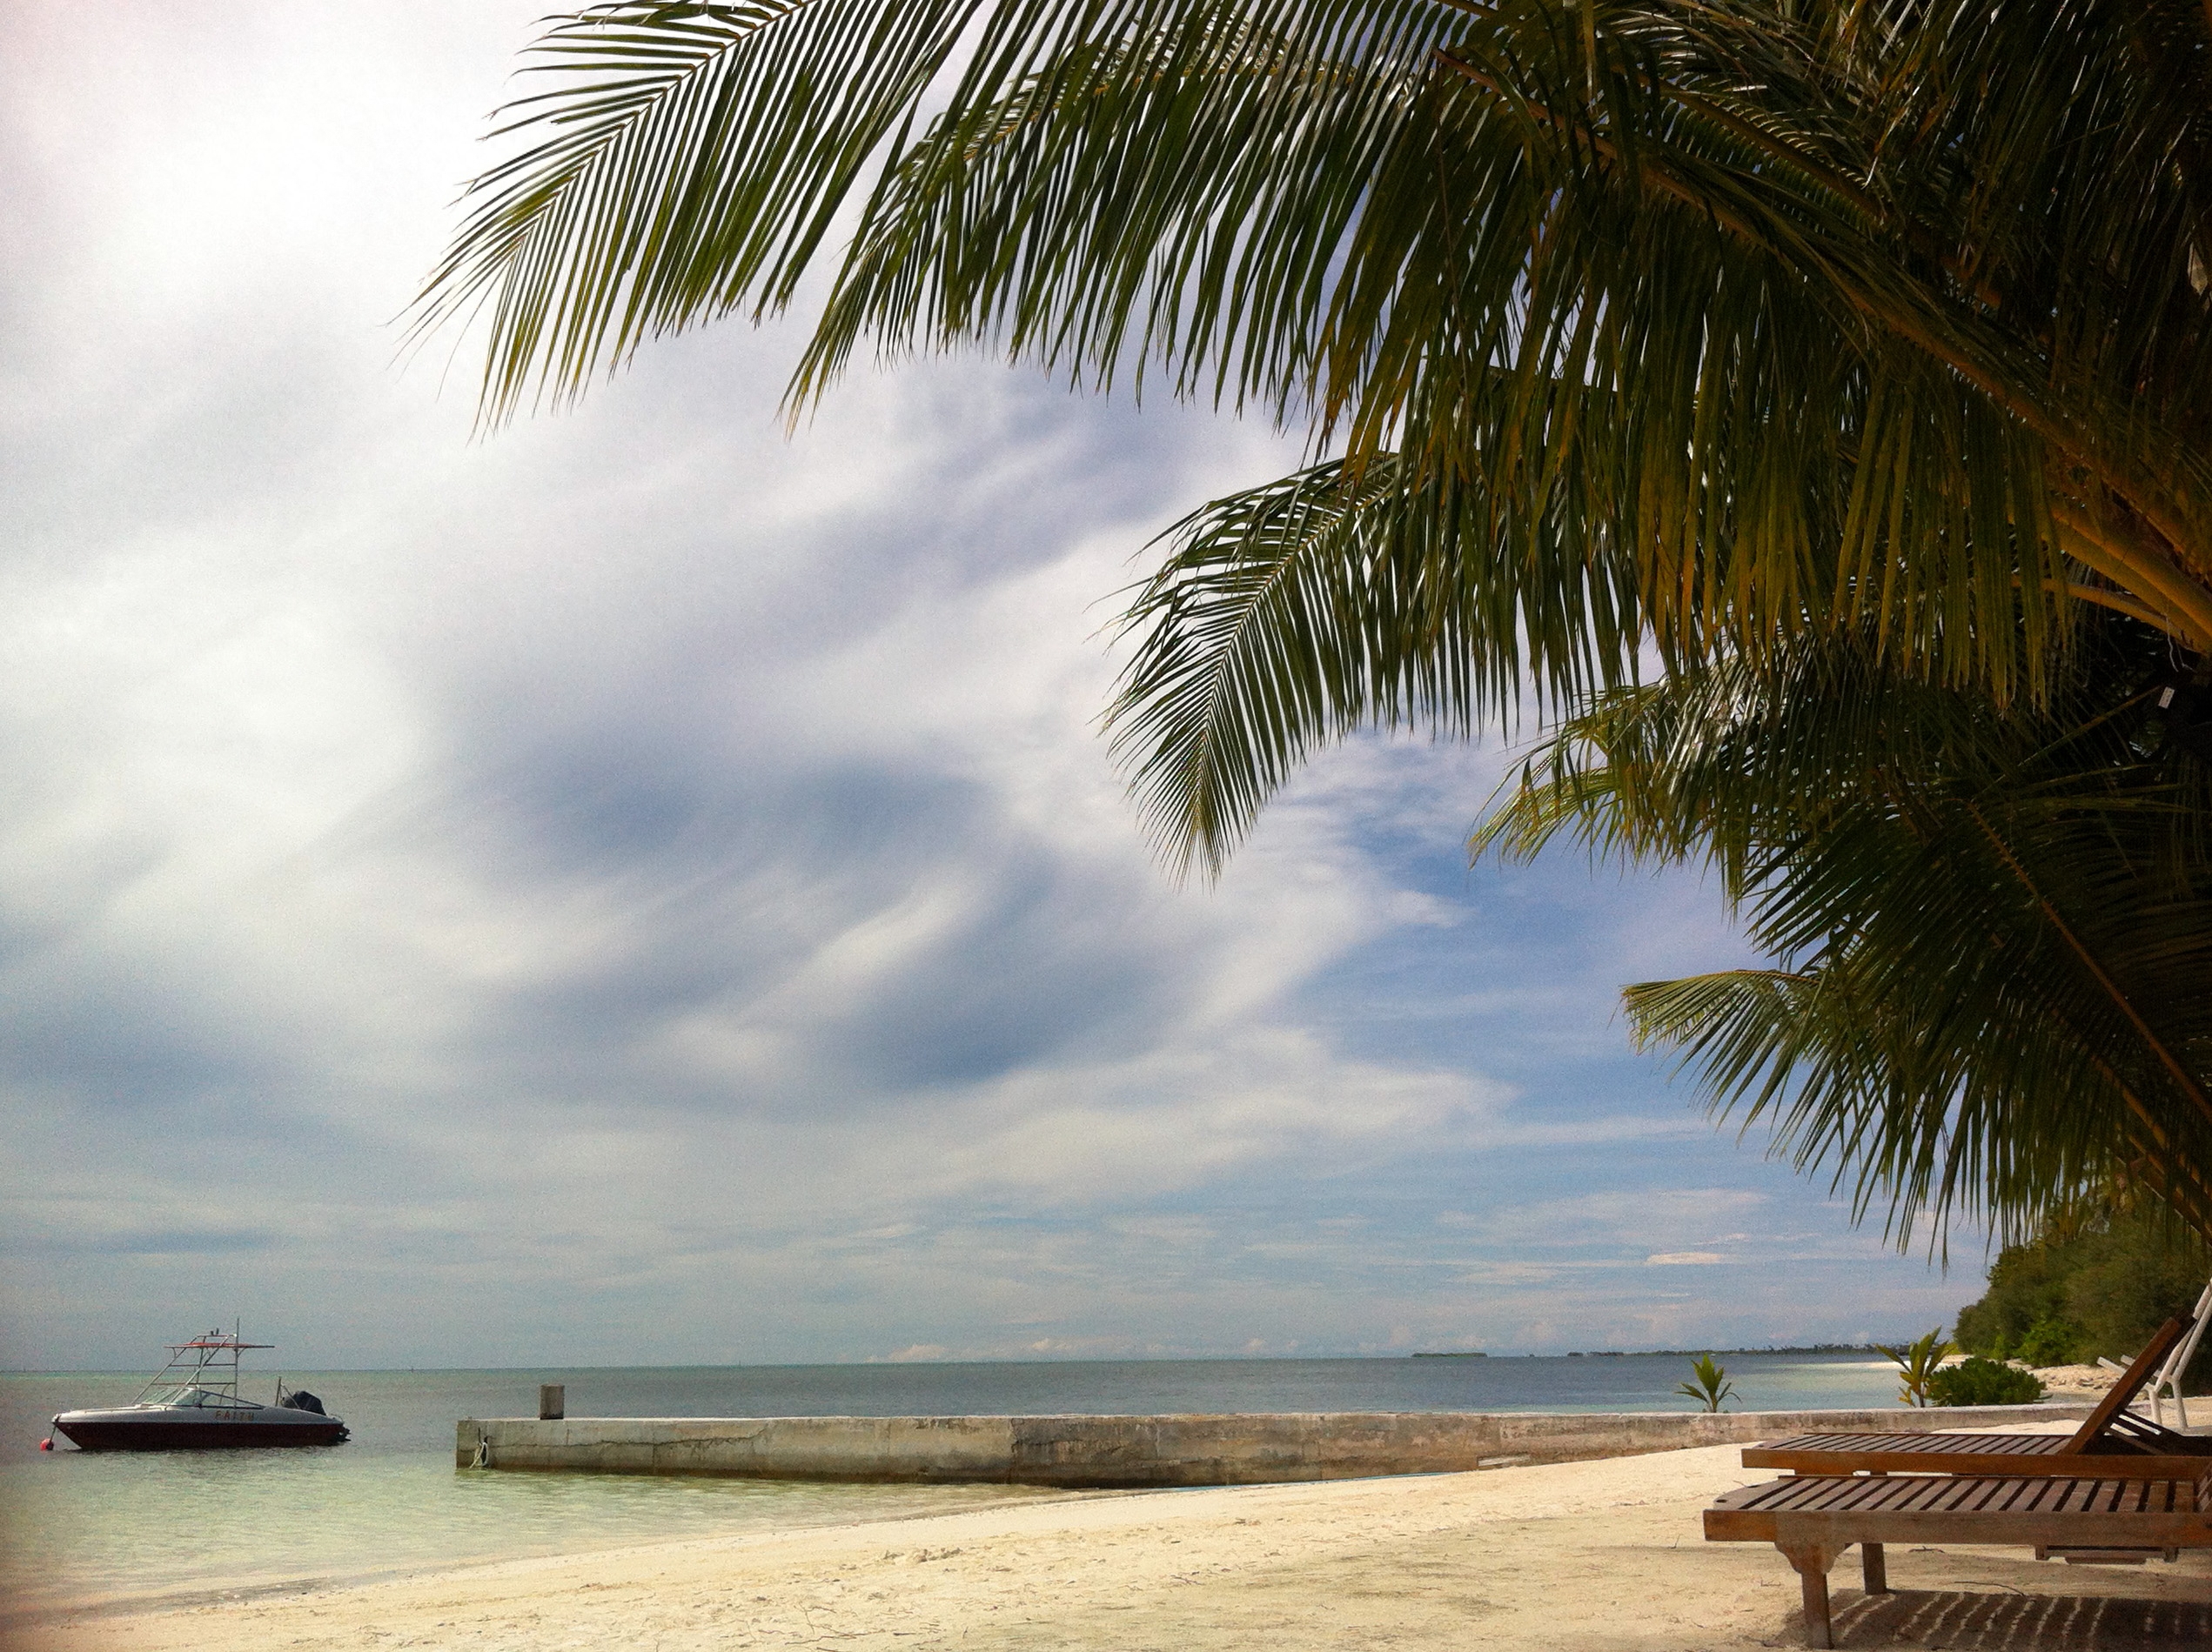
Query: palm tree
pixel 1704 325
pixel 1737 332
pixel 1992 926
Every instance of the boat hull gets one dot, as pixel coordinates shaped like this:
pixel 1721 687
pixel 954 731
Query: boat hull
pixel 121 1431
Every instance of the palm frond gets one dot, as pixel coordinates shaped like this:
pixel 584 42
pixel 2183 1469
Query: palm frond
pixel 1892 320
pixel 687 161
pixel 1992 926
pixel 1288 615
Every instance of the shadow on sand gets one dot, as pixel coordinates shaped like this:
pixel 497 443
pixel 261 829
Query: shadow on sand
pixel 1960 1621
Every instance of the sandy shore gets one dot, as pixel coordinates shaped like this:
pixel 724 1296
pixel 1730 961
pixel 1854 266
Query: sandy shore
pixel 2067 1380
pixel 1563 1558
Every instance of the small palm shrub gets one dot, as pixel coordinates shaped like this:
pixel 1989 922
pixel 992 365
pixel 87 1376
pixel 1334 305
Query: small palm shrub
pixel 1979 1382
pixel 1916 1364
pixel 1708 1383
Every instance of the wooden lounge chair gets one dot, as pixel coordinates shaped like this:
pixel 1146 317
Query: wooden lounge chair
pixel 1813 1519
pixel 2111 1442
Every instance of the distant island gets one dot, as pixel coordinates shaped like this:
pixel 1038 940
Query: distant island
pixel 1811 1348
pixel 1670 1354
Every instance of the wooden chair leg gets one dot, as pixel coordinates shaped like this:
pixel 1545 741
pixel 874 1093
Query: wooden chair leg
pixel 1875 1566
pixel 1819 1631
pixel 1813 1561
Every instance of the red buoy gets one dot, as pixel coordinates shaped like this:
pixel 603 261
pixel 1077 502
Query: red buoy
pixel 47 1444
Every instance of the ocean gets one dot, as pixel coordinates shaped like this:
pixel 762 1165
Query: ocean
pixel 115 1527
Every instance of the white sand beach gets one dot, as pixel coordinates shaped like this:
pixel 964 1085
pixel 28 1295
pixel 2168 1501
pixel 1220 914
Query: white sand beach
pixel 2066 1380
pixel 1595 1555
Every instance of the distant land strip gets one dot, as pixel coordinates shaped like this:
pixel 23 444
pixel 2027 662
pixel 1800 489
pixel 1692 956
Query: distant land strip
pixel 1641 1354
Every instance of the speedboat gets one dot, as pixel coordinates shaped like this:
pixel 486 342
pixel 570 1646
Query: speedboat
pixel 194 1403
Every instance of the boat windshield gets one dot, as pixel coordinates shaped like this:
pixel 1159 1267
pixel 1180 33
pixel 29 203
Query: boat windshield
pixel 197 1397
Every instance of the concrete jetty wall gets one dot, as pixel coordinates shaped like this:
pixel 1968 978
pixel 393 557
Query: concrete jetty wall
pixel 1128 1452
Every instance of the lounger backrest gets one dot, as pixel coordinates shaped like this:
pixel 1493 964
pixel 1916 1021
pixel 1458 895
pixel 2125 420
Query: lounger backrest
pixel 2138 1374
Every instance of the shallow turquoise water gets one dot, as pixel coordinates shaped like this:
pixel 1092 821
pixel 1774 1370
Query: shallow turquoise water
pixel 163 1523
pixel 76 1524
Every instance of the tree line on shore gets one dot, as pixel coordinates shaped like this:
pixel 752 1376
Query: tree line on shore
pixel 2092 1287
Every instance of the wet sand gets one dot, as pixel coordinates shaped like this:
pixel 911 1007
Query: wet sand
pixel 1570 1557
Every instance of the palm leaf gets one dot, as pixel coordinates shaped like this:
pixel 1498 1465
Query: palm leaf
pixel 1991 925
pixel 1287 615
pixel 1891 320
pixel 1835 349
pixel 688 160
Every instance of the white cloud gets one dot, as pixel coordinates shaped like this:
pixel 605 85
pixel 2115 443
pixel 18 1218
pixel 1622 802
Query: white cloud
pixel 638 887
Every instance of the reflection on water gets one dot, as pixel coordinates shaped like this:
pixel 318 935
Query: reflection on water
pixel 74 1524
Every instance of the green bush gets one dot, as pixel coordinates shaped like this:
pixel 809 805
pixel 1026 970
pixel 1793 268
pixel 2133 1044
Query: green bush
pixel 2052 1342
pixel 1980 1381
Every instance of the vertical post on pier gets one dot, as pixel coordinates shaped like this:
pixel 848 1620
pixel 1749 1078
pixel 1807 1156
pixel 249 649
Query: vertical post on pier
pixel 553 1402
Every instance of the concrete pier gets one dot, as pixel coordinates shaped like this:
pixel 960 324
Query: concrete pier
pixel 1132 1452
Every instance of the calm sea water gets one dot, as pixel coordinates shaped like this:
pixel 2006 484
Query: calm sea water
pixel 75 1525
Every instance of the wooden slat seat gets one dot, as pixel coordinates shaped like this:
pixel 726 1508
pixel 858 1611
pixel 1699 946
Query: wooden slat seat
pixel 1970 1454
pixel 1813 1519
pixel 1752 1510
pixel 1973 1445
pixel 2111 1442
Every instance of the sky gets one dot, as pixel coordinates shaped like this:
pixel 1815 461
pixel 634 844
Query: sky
pixel 647 887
